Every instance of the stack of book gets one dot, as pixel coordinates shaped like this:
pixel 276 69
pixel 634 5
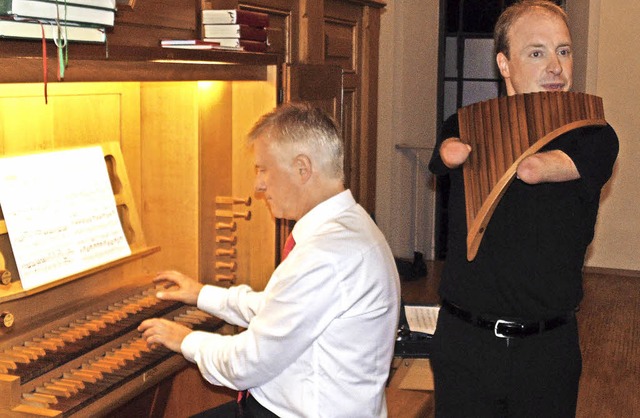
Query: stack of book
pixel 236 29
pixel 71 20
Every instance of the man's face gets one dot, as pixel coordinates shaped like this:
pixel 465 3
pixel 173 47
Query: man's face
pixel 540 55
pixel 276 179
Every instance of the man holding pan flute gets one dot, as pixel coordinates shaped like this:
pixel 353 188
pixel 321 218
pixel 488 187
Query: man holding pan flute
pixel 506 343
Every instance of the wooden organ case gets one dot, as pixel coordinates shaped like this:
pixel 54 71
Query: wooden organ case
pixel 179 119
pixel 177 152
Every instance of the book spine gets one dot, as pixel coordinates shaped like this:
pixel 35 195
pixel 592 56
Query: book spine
pixel 254 46
pixel 251 46
pixel 33 30
pixel 236 32
pixel 90 4
pixel 185 42
pixel 239 16
pixel 225 42
pixel 50 10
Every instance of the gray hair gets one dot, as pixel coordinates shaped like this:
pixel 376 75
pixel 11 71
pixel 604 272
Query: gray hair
pixel 307 129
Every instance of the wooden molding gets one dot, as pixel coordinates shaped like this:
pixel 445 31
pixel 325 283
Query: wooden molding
pixel 125 4
pixel 611 271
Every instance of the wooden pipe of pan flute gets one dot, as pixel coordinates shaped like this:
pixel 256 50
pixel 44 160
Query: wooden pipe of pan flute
pixel 227 239
pixel 225 277
pixel 231 226
pixel 230 200
pixel 231 252
pixel 231 265
pixel 233 214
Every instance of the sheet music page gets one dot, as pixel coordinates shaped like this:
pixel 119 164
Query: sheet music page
pixel 60 213
pixel 422 318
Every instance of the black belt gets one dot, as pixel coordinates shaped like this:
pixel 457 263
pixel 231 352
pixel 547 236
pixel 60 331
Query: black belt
pixel 506 328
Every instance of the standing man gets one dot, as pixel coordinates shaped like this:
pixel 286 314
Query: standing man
pixel 320 337
pixel 506 344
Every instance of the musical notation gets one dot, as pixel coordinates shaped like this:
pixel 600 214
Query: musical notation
pixel 60 214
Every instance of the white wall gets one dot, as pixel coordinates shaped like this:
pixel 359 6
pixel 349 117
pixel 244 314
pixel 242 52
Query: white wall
pixel 613 73
pixel 407 115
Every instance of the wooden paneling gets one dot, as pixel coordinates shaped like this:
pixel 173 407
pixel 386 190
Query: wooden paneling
pixel 368 106
pixel 351 142
pixel 76 115
pixel 193 148
pixel 151 20
pixel 256 237
pixel 342 28
pixel 284 25
pixel 170 146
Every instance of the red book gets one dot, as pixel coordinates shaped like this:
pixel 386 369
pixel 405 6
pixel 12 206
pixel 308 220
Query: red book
pixel 235 16
pixel 240 44
pixel 235 31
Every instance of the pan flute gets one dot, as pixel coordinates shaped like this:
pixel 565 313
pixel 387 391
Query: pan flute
pixel 505 130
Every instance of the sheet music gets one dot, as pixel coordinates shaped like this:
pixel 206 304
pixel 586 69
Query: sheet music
pixel 422 318
pixel 60 213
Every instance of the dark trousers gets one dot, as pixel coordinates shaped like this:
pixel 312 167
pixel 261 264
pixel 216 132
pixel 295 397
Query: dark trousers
pixel 249 408
pixel 479 375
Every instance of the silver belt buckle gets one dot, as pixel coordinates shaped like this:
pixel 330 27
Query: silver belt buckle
pixel 495 328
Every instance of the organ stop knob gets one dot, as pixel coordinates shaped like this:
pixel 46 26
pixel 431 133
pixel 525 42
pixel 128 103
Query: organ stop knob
pixel 6 319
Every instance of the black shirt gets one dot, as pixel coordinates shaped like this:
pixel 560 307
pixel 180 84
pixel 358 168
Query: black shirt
pixel 529 263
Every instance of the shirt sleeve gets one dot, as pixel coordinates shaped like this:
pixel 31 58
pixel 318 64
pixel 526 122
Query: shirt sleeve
pixel 594 151
pixel 303 300
pixel 236 305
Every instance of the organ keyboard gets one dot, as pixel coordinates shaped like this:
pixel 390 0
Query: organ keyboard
pixel 71 348
pixel 66 370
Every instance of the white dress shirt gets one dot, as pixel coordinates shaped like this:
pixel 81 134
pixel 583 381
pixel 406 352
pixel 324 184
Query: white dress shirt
pixel 320 337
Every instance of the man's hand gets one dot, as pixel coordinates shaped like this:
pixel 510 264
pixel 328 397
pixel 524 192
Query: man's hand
pixel 165 332
pixel 453 152
pixel 179 287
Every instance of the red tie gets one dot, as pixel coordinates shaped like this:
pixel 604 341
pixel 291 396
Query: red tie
pixel 288 246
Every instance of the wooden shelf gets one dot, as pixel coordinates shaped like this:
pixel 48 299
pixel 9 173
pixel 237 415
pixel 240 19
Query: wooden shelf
pixel 21 61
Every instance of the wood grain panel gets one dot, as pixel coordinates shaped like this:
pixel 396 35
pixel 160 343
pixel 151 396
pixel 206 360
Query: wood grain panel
pixel 256 237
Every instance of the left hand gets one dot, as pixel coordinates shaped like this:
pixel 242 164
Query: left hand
pixel 165 332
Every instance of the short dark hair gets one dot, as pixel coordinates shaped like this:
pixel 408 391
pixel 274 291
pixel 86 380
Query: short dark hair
pixel 307 127
pixel 513 13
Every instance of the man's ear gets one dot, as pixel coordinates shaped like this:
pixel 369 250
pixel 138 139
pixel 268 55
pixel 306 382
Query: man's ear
pixel 503 64
pixel 303 167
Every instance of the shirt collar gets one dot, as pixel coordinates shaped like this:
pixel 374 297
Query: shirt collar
pixel 320 214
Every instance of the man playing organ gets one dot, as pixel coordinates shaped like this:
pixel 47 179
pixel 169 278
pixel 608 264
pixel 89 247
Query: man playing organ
pixel 320 337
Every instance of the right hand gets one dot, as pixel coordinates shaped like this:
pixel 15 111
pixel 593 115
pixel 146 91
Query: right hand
pixel 178 287
pixel 453 152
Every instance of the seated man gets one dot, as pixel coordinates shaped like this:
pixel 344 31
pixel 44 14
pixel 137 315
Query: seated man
pixel 320 337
